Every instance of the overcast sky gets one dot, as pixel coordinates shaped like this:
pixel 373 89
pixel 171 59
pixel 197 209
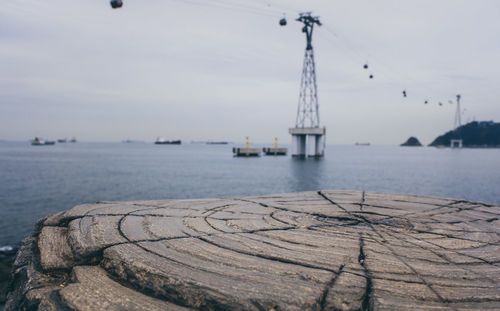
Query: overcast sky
pixel 225 69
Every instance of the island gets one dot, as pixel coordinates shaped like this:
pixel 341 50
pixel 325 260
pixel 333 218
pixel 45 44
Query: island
pixel 317 250
pixel 483 134
pixel 412 142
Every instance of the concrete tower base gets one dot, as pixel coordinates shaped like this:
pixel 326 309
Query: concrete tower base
pixel 308 141
pixel 456 143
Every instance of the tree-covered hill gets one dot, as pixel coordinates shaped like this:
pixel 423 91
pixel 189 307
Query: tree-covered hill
pixel 473 134
pixel 412 142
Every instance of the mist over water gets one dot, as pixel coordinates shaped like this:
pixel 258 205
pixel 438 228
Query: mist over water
pixel 37 181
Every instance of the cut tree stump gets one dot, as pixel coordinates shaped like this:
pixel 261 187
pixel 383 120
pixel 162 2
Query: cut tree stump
pixel 325 250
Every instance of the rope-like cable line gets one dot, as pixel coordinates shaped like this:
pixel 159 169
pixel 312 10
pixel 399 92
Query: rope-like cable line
pixel 269 9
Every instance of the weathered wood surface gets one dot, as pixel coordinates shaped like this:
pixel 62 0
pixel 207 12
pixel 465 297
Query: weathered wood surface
pixel 328 250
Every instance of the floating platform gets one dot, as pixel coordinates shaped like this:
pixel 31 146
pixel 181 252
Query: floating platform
pixel 275 151
pixel 246 152
pixel 318 250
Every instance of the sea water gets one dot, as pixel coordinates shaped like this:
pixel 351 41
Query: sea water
pixel 39 180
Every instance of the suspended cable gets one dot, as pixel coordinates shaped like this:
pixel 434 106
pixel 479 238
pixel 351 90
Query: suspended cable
pixel 397 74
pixel 268 8
pixel 221 5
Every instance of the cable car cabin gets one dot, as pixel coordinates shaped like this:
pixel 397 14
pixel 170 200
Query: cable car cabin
pixel 365 66
pixel 283 22
pixel 115 4
pixel 371 76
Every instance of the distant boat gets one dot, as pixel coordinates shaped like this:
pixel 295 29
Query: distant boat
pixel 41 142
pixel 73 140
pixel 217 142
pixel 362 144
pixel 37 142
pixel 162 141
pixel 62 140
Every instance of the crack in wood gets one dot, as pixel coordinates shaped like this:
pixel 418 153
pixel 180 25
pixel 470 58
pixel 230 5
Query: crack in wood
pixel 328 287
pixel 367 303
pixel 269 257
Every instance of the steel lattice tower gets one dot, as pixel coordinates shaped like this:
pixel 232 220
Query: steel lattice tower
pixel 308 109
pixel 308 139
pixel 458 114
pixel 456 140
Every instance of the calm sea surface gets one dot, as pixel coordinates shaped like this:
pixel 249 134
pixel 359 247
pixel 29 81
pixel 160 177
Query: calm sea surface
pixel 39 180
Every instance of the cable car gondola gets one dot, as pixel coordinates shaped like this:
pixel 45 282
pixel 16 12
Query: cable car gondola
pixel 283 22
pixel 115 4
